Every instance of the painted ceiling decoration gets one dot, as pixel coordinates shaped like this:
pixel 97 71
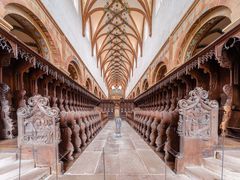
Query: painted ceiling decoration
pixel 116 29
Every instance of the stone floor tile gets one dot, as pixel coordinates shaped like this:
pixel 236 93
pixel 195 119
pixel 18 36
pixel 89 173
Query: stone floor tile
pixel 153 163
pixel 132 177
pixel 126 144
pixel 112 165
pixel 130 163
pixel 88 177
pixel 127 157
pixel 86 163
pixel 161 177
pixel 96 145
pixel 140 145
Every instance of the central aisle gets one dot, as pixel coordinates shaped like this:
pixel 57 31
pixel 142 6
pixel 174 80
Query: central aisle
pixel 126 158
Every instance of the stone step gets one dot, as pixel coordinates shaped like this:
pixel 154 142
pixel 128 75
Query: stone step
pixel 9 168
pixel 8 145
pixel 6 162
pixel 178 177
pixel 35 174
pixel 216 165
pixel 8 149
pixel 6 158
pixel 11 171
pixel 14 165
pixel 7 155
pixel 230 156
pixel 200 173
pixel 53 177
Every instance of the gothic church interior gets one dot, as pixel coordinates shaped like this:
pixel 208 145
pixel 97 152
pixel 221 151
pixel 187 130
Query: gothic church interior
pixel 119 89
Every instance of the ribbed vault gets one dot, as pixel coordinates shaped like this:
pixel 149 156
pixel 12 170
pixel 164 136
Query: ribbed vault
pixel 116 30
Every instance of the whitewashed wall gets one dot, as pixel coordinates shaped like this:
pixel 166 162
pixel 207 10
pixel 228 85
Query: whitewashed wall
pixel 70 22
pixel 166 15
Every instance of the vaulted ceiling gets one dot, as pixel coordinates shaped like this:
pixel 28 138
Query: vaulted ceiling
pixel 116 31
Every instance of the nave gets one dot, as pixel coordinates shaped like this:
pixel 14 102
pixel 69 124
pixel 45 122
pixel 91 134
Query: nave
pixel 127 157
pixel 168 69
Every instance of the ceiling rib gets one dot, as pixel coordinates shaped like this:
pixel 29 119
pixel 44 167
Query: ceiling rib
pixel 116 32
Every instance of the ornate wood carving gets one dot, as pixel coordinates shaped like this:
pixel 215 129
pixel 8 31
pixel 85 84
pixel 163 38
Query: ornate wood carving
pixel 87 125
pixel 82 126
pixel 160 141
pixel 8 123
pixel 5 60
pixel 37 122
pixel 65 147
pixel 213 81
pixel 201 79
pixel 5 45
pixel 222 57
pixel 90 127
pixel 197 115
pixel 227 89
pixel 154 132
pixel 148 126
pixel 144 126
pixel 20 52
pixel 76 140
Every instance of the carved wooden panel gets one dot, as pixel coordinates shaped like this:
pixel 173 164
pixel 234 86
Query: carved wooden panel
pixel 37 122
pixel 197 115
pixel 8 123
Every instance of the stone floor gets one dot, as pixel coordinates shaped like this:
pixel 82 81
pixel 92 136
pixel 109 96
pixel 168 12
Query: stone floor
pixel 8 145
pixel 126 158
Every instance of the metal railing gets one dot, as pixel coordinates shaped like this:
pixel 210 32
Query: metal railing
pixel 104 166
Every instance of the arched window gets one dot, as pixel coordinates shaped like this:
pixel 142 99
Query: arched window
pixel 145 85
pixel 161 73
pixel 74 71
pixel 213 24
pixel 95 91
pixel 89 84
pixel 138 91
pixel 29 34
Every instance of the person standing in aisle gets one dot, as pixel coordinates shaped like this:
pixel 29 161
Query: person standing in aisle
pixel 118 121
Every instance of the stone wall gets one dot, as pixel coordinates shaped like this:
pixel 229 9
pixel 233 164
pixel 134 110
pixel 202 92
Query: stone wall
pixel 61 51
pixel 174 52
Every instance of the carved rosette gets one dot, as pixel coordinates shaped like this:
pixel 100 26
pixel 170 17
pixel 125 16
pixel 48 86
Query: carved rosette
pixel 197 115
pixel 37 122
